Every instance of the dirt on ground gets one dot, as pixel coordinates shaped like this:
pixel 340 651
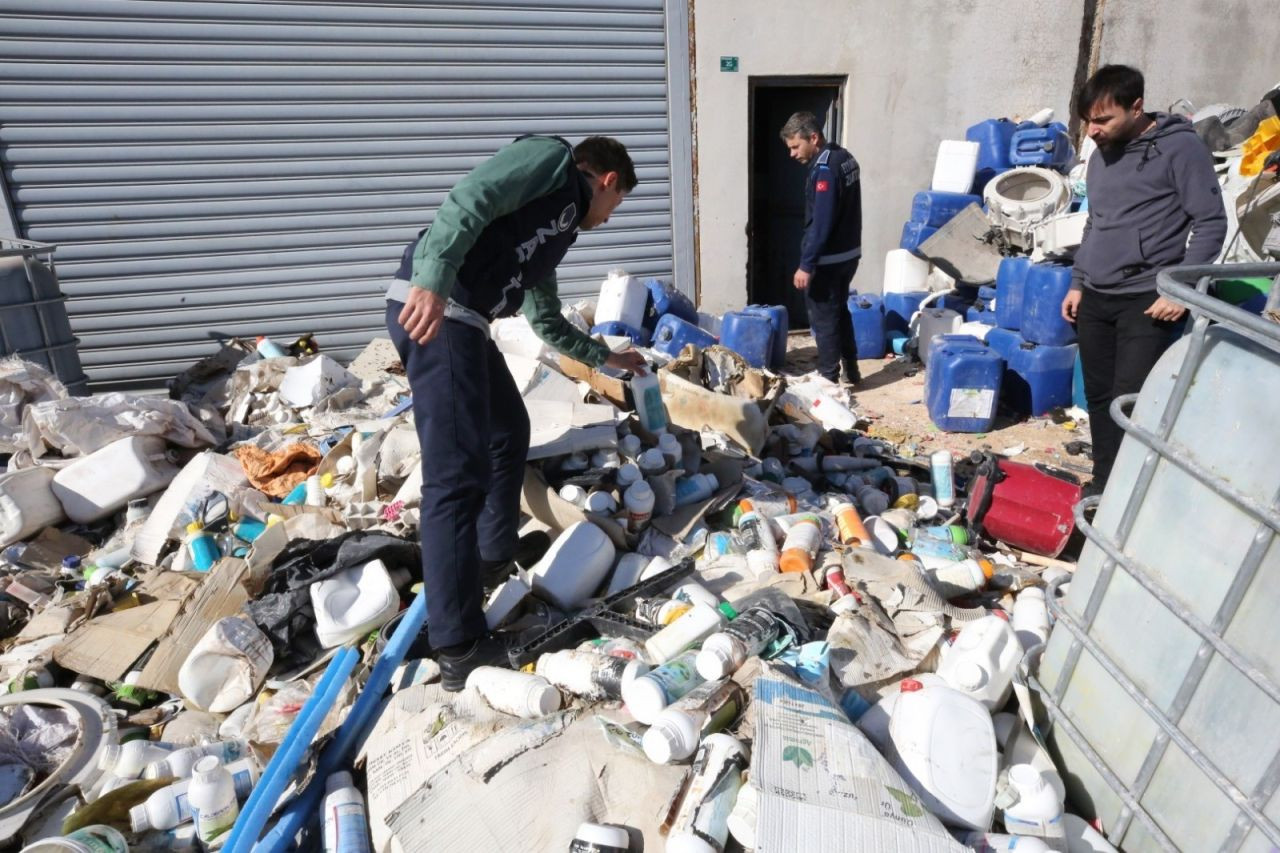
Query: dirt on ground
pixel 891 399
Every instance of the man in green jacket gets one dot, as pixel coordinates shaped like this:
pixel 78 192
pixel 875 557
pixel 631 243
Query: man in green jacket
pixel 491 251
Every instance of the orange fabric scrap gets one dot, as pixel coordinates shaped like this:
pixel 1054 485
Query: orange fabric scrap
pixel 276 474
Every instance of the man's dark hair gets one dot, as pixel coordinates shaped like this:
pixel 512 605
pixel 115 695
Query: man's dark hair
pixel 800 124
pixel 602 154
pixel 1118 83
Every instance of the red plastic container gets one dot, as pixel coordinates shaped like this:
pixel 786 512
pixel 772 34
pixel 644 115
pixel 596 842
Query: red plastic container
pixel 1022 505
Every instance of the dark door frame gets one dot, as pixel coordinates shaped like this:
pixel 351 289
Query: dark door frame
pixel 831 130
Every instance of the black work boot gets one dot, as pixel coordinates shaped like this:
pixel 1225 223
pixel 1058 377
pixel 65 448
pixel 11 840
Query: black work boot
pixel 457 662
pixel 851 373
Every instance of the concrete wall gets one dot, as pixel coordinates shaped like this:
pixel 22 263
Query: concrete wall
pixel 920 71
pixel 1206 52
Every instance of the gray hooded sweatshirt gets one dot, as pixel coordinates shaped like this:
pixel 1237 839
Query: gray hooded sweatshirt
pixel 1144 200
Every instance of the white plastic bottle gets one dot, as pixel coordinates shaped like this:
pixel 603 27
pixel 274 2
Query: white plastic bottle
pixel 690 629
pixel 1037 811
pixel 600 838
pixel 600 502
pixel 589 674
pixel 681 726
pixel 353 602
pixel 695 488
pixel 628 473
pixel 630 446
pixel 639 502
pixel 1031 617
pixel 126 760
pixel 646 391
pixel 652 462
pixel 212 798
pixel 993 842
pixel 944 487
pixel 95 486
pixel 574 566
pixel 1083 838
pixel 315 491
pixel 170 806
pixel 647 695
pixel 346 824
pixel 574 494
pixel 671 450
pixel 954 579
pixel 180 762
pixel 90 839
pixel 521 694
pixel 982 661
pixel 701 824
pixel 749 634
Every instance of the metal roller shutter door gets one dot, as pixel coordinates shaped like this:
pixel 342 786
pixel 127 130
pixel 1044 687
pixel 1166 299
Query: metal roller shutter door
pixel 211 169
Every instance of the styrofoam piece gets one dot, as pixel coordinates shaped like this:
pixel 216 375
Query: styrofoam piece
pixel 353 602
pixel 27 504
pixel 97 485
pixel 944 745
pixel 571 570
pixel 307 384
pixel 955 166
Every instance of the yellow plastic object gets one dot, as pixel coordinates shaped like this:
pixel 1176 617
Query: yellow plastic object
pixel 1257 147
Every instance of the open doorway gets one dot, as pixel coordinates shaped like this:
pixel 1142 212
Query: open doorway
pixel 775 184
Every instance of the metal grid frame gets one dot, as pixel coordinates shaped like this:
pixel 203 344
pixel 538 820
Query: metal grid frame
pixel 1189 286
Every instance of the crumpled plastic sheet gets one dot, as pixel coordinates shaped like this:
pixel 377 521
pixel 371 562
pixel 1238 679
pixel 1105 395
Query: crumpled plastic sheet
pixel 283 611
pixel 22 383
pixel 78 426
pixel 277 473
pixel 34 741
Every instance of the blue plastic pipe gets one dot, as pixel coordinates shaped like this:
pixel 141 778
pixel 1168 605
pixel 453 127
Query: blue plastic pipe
pixel 257 809
pixel 337 753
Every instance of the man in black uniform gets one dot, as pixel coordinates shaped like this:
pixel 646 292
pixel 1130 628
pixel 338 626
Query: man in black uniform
pixel 832 242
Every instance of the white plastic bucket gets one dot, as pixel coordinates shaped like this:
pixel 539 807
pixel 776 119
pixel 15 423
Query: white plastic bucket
pixel 99 484
pixel 27 504
pixel 956 164
pixel 353 602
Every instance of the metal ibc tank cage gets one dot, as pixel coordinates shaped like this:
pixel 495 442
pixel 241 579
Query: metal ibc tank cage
pixel 33 312
pixel 1159 680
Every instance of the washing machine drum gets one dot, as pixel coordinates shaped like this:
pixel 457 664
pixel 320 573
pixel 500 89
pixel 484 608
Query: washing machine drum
pixel 1021 198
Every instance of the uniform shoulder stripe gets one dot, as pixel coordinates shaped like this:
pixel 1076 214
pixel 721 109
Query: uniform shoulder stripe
pixel 824 157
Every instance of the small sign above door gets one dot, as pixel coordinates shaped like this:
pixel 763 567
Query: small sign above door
pixel 728 63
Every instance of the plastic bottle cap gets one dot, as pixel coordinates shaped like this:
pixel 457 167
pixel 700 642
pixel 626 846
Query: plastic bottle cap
pixel 727 611
pixel 1026 778
pixel 1000 614
pixel 71 562
pixel 640 489
pixel 713 662
pixel 910 685
pixel 206 769
pixel 987 568
pixel 138 818
pixel 543 699
pixel 603 835
pixel 660 742
pixel 195 527
pixel 110 755
pixel 969 675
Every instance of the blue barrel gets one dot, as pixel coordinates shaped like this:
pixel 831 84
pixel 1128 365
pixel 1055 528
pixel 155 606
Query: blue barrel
pixel 1041 146
pixel 994 137
pixel 672 334
pixel 665 299
pixel 964 388
pixel 1038 378
pixel 1010 281
pixel 936 209
pixel 616 328
pixel 898 308
pixel 915 233
pixel 749 335
pixel 954 341
pixel 1078 398
pixel 1042 294
pixel 777 315
pixel 958 301
pixel 867 313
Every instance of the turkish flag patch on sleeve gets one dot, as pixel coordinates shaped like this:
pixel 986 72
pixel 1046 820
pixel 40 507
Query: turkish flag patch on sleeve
pixel 822 186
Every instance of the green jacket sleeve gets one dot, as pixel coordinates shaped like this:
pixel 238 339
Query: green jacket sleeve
pixel 517 174
pixel 542 310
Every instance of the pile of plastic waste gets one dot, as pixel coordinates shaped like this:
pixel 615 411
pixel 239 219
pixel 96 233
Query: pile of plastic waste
pixel 755 627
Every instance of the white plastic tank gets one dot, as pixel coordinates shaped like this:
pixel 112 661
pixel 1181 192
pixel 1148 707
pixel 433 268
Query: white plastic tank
pixel 944 745
pixel 97 485
pixel 955 166
pixel 934 322
pixel 904 272
pixel 227 666
pixel 622 299
pixel 982 661
pixel 27 504
pixel 353 602
pixel 574 566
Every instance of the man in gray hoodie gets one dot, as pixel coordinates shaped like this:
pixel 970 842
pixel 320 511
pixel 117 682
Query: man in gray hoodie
pixel 1150 184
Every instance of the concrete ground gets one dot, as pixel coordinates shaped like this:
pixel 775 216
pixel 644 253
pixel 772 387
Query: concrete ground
pixel 891 398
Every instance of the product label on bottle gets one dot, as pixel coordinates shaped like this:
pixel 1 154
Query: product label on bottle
pixel 676 677
pixel 971 403
pixel 352 829
pixel 580 846
pixel 211 823
pixel 755 628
